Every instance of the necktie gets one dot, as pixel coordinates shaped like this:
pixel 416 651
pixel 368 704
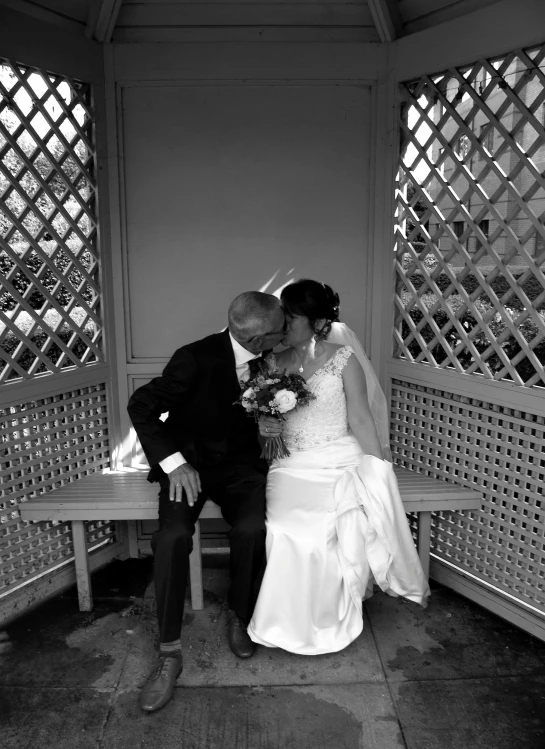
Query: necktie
pixel 254 365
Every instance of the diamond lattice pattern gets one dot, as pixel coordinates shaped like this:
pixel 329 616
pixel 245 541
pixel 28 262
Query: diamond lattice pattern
pixel 470 251
pixel 49 268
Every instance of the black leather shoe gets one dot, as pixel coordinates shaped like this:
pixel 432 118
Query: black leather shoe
pixel 160 685
pixel 239 639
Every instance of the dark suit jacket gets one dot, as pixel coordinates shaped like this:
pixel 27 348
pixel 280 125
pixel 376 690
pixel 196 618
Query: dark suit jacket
pixel 198 388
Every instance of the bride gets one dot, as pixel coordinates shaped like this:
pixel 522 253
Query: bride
pixel 335 521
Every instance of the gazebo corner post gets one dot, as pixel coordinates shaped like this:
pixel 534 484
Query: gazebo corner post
pixel 385 155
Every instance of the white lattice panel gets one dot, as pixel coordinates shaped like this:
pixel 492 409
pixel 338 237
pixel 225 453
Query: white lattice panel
pixel 49 266
pixel 45 444
pixel 497 449
pixel 470 283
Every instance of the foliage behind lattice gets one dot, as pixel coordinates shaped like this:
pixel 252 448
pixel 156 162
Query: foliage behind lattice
pixel 49 266
pixel 470 286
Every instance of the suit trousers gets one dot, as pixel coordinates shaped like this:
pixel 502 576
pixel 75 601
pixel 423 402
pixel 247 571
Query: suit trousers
pixel 239 490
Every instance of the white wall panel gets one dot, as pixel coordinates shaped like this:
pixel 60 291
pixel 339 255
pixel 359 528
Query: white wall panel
pixel 229 188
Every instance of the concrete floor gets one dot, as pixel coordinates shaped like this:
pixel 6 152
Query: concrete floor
pixel 449 677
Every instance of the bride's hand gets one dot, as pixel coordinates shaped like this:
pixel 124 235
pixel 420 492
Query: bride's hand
pixel 270 426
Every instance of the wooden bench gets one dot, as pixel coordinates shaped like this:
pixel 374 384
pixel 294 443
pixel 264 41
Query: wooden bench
pixel 127 495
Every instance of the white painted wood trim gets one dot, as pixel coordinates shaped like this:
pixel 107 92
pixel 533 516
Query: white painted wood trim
pixel 367 282
pixel 45 14
pixel 47 385
pixel 121 452
pixel 39 589
pixel 106 20
pixel 380 291
pixel 247 82
pixel 197 14
pixel 386 19
pixel 139 367
pixel 494 30
pixel 92 16
pixel 515 612
pixel 424 535
pixel 241 34
pixel 471 386
pixel 132 538
pixel 107 281
pixel 81 561
pixel 447 11
pixel 320 61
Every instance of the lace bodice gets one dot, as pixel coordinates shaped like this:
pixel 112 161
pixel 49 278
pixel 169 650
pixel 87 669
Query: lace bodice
pixel 325 418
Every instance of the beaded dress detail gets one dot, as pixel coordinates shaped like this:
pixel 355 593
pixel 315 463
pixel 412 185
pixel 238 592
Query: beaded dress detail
pixel 325 418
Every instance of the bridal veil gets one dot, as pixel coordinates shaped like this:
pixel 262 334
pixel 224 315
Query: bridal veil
pixel 342 334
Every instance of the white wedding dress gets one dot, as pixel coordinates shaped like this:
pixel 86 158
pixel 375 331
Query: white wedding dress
pixel 335 525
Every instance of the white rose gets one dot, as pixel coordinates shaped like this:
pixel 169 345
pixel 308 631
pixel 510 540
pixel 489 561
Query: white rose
pixel 285 400
pixel 248 394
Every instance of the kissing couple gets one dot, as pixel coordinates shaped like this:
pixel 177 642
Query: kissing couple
pixel 327 518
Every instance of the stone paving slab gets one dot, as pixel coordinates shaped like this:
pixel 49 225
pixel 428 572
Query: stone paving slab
pixel 37 718
pixel 61 646
pixel 317 717
pixel 492 713
pixel 453 638
pixel 208 660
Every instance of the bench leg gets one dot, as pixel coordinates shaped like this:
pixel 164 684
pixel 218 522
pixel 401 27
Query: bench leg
pixel 132 538
pixel 83 575
pixel 424 540
pixel 127 532
pixel 195 571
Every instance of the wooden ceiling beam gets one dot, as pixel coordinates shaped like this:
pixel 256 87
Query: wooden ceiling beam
pixel 48 15
pixel 102 18
pixel 386 19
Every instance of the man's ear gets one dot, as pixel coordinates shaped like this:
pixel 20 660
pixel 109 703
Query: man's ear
pixel 257 344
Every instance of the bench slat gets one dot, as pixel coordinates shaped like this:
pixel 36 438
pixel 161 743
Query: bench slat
pixel 129 496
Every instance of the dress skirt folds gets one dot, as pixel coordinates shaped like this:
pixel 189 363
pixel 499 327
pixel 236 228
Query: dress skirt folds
pixel 335 525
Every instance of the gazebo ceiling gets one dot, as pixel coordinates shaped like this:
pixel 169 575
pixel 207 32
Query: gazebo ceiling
pixel 358 20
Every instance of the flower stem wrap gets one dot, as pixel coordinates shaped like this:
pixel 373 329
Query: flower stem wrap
pixel 274 447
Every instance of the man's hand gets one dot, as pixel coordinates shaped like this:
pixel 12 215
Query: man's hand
pixel 270 426
pixel 184 477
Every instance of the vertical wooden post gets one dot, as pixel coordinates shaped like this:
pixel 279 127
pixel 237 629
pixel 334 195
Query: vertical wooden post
pixel 83 575
pixel 424 540
pixel 380 288
pixel 132 539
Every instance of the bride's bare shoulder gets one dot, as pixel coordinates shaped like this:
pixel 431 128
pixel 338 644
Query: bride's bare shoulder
pixel 332 348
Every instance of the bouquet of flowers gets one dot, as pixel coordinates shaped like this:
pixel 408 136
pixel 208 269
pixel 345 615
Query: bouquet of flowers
pixel 274 394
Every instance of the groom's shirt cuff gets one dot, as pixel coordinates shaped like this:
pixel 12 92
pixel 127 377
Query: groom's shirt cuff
pixel 173 461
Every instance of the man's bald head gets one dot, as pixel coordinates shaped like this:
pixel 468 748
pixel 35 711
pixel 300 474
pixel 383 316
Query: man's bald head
pixel 257 317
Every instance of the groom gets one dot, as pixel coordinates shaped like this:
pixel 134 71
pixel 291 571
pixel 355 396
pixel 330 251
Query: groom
pixel 207 447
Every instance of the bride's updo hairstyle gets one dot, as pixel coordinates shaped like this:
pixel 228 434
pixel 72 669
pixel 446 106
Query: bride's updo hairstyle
pixel 314 300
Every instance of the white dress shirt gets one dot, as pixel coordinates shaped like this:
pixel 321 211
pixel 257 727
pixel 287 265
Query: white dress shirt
pixel 242 359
